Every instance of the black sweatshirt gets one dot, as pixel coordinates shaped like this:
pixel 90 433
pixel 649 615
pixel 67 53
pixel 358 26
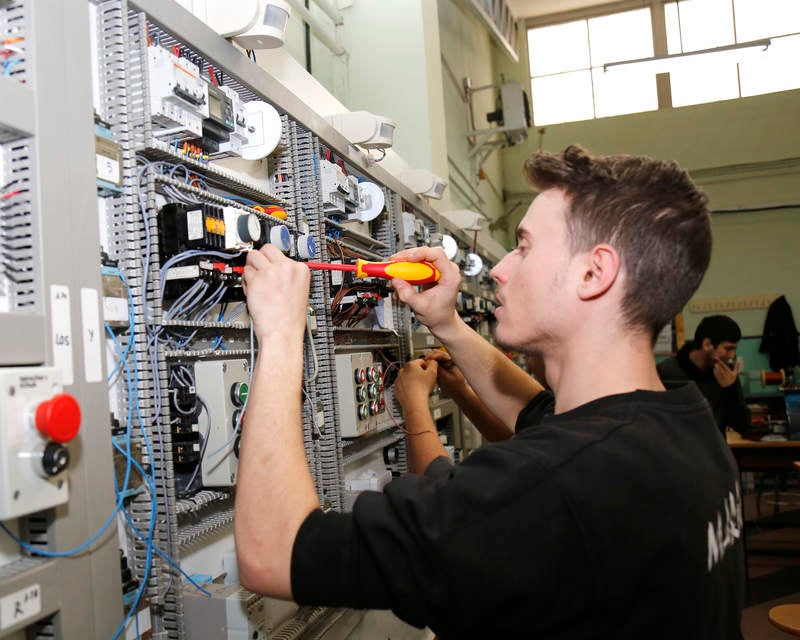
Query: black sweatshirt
pixel 618 519
pixel 727 404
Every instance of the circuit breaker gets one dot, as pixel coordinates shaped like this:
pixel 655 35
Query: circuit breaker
pixel 222 384
pixel 178 95
pixel 36 421
pixel 359 381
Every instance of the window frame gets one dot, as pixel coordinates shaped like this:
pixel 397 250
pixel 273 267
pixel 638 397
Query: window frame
pixel 659 33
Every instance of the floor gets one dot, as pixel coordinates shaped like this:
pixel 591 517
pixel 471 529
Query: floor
pixel 773 545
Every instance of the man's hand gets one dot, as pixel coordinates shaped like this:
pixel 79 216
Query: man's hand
pixel 277 292
pixel 434 305
pixel 449 377
pixel 414 383
pixel 724 374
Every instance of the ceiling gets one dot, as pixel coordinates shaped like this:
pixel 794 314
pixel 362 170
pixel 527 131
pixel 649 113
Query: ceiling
pixel 532 8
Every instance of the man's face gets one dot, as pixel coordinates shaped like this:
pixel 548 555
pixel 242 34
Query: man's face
pixel 534 306
pixel 725 351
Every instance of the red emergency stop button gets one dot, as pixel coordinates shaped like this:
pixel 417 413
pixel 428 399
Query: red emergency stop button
pixel 58 418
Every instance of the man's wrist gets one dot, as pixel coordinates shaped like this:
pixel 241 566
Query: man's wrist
pixel 449 329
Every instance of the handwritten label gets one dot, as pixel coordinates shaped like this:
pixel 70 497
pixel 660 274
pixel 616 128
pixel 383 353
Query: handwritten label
pixel 20 606
pixel 62 331
pixel 108 169
pixel 92 338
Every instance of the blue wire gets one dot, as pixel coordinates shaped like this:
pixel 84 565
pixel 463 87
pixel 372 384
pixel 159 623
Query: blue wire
pixel 136 530
pixel 10 64
pixel 153 505
pixel 245 201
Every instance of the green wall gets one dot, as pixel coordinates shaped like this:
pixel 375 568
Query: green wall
pixel 746 154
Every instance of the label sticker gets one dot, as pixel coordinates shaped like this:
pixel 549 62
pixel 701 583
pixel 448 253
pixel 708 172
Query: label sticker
pixel 194 225
pixel 20 606
pixel 62 331
pixel 92 338
pixel 108 169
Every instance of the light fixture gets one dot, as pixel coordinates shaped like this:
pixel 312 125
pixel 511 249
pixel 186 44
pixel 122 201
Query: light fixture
pixel 424 183
pixel 672 62
pixel 364 128
pixel 253 24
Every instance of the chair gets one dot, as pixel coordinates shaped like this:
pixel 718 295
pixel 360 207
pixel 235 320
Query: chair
pixel 786 617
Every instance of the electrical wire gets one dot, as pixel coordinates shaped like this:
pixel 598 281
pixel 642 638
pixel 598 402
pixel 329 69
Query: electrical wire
pixel 205 442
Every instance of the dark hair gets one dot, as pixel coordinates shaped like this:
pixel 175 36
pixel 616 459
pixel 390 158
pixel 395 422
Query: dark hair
pixel 649 210
pixel 718 329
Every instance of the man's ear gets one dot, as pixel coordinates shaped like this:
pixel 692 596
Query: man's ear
pixel 707 344
pixel 601 269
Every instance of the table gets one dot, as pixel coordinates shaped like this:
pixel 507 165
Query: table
pixel 757 455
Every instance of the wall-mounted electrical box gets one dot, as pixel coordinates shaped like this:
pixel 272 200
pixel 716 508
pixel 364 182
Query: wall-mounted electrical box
pixel 359 381
pixel 222 384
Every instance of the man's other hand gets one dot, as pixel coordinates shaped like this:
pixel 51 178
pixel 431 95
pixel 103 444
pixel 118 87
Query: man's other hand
pixel 724 374
pixel 415 382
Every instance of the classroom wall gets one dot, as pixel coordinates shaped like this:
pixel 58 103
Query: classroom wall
pixel 745 154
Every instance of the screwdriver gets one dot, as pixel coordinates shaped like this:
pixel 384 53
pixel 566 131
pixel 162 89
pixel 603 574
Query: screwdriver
pixel 411 272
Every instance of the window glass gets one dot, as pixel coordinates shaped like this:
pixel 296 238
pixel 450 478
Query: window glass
pixel 705 80
pixel 561 47
pixel 777 69
pixel 623 91
pixel 756 19
pixel 700 24
pixel 621 36
pixel 562 98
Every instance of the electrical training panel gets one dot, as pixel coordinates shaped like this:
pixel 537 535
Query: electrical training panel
pixel 120 433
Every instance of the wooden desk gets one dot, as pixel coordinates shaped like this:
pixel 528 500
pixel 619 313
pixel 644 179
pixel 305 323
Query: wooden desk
pixel 755 455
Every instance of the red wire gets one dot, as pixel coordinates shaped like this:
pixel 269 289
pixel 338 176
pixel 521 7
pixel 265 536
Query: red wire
pixel 6 196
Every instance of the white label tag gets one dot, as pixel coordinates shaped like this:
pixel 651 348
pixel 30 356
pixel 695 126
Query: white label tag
pixel 143 617
pixel 62 331
pixel 20 606
pixel 92 338
pixel 437 413
pixel 194 225
pixel 108 169
pixel 115 309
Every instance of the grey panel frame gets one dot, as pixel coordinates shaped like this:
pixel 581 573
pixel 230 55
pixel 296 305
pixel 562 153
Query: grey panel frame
pixel 85 588
pixel 16 107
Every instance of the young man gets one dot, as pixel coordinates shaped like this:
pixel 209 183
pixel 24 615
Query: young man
pixel 710 361
pixel 618 516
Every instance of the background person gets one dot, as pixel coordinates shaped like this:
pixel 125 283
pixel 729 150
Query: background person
pixel 710 362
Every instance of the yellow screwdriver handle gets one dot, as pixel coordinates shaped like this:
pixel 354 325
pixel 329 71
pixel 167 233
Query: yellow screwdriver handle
pixel 411 272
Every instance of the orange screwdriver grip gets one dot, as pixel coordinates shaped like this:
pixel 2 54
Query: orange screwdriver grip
pixel 411 272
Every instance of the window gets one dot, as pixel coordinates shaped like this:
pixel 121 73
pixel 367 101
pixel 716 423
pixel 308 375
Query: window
pixel 568 82
pixel 567 79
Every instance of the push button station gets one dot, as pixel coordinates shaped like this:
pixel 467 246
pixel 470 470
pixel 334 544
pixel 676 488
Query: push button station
pixel 37 419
